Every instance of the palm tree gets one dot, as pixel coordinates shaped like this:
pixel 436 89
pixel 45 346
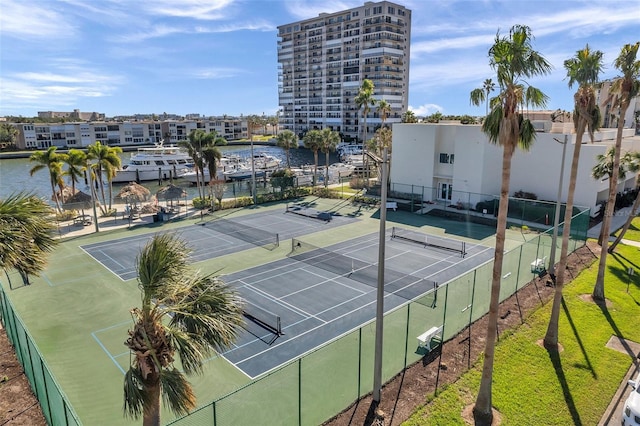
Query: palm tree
pixel 633 165
pixel 313 141
pixel 482 95
pixel 211 154
pixel 183 313
pixel 52 161
pixel 583 70
pixel 364 100
pixel 626 87
pixel 287 140
pixel 384 110
pixel 105 162
pixel 26 234
pixel 329 140
pixel 513 59
pixel 8 134
pixel 76 161
pixel 409 117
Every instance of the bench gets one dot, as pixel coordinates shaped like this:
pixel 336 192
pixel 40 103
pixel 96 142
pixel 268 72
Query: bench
pixel 392 205
pixel 424 340
pixel 82 220
pixel 537 266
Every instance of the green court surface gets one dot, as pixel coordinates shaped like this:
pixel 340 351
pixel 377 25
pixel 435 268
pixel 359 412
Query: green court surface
pixel 77 313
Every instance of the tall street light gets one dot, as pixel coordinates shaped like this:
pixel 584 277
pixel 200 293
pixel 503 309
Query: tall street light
pixel 377 362
pixel 556 219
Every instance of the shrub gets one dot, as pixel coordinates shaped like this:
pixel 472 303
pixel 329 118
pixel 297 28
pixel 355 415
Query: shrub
pixel 525 195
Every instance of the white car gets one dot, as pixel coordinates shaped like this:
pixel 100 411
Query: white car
pixel 631 413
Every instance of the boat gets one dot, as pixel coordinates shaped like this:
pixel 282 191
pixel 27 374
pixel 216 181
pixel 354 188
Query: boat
pixel 266 162
pixel 345 150
pixel 226 164
pixel 243 171
pixel 159 162
pixel 341 170
pixel 303 174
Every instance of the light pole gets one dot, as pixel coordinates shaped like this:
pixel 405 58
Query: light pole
pixel 556 219
pixel 377 362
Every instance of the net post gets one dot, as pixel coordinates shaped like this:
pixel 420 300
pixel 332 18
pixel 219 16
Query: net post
pixel 464 248
pixel 277 240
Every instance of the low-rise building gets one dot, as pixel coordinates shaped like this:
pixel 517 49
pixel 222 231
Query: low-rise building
pixel 454 163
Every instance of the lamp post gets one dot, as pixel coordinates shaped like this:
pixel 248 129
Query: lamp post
pixel 377 362
pixel 556 219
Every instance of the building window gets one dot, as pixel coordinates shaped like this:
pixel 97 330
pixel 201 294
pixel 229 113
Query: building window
pixel 391 10
pixel 446 158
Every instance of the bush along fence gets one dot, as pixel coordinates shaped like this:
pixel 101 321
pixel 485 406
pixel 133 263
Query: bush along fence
pixel 325 381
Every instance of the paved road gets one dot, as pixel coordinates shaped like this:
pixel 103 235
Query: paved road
pixel 613 414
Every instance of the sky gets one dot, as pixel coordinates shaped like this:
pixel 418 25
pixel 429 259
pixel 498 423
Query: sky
pixel 216 57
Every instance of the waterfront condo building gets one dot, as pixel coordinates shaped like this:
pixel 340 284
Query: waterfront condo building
pixel 324 60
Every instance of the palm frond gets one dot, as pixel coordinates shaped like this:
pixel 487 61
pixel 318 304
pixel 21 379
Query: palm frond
pixel 177 392
pixel 162 261
pixel 135 394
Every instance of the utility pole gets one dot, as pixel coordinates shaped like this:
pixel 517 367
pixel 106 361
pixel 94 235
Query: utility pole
pixel 377 362
pixel 556 219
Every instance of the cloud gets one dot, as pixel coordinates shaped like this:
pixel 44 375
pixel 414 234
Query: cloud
pixel 425 110
pixel 66 83
pixel 34 21
pixel 194 9
pixel 214 73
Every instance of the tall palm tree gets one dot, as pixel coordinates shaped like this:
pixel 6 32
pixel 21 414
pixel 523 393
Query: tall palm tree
pixel 514 59
pixel 26 234
pixel 626 88
pixel 482 94
pixel 633 165
pixel 364 100
pixel 287 140
pixel 329 140
pixel 52 162
pixel 583 70
pixel 104 161
pixel 183 313
pixel 193 146
pixel 76 162
pixel 313 141
pixel 409 117
pixel 384 110
pixel 211 154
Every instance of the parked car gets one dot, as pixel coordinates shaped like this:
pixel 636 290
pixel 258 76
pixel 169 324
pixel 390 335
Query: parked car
pixel 631 413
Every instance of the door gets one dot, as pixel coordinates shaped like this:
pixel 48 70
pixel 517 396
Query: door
pixel 445 190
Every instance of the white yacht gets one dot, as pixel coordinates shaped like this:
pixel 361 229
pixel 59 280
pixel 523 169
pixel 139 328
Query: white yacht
pixel 341 169
pixel 226 165
pixel 155 163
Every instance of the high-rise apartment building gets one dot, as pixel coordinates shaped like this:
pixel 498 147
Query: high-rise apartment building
pixel 324 60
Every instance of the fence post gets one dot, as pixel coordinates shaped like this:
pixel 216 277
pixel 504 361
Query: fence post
pixel 359 361
pixel 46 389
pixel 406 340
pixel 300 391
pixel 444 319
pixel 473 294
pixel 215 417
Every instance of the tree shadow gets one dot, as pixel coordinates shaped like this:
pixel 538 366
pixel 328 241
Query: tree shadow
pixel 589 366
pixel 554 356
pixel 614 327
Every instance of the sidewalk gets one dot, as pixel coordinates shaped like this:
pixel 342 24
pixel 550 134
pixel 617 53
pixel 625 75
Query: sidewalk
pixel 617 221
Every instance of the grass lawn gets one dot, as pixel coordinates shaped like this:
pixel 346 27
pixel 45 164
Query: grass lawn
pixel 534 387
pixel 633 233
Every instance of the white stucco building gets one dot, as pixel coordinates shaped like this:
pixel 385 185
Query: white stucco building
pixel 455 162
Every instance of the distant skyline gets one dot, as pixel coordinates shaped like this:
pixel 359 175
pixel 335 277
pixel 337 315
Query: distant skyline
pixel 215 57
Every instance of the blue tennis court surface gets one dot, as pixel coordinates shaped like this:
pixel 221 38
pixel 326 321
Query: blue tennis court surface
pixel 321 293
pixel 214 237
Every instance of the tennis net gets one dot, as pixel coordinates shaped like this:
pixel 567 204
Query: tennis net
pixel 401 284
pixel 263 318
pixel 307 212
pixel 429 240
pixel 246 233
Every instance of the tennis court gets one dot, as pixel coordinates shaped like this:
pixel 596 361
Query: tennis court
pixel 216 236
pixel 316 294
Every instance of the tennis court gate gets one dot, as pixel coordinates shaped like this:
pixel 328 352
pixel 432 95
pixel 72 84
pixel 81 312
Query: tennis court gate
pixel 322 383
